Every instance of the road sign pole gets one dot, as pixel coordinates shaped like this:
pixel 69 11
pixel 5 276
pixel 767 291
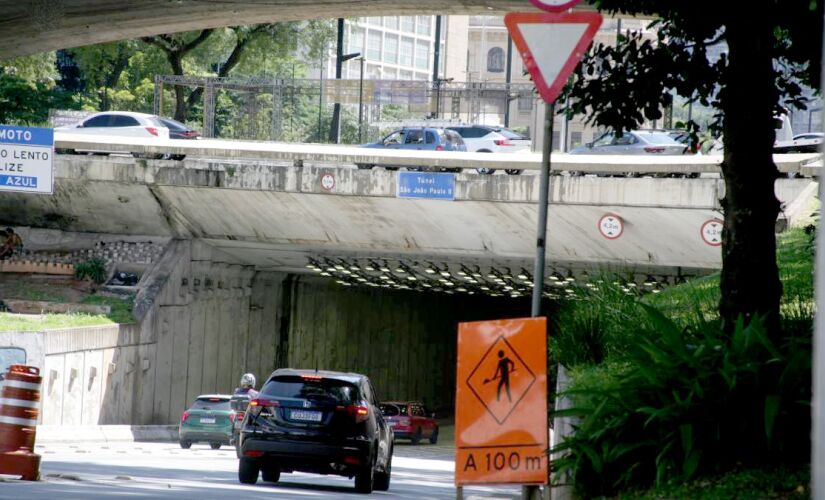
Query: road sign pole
pixel 544 189
pixel 818 406
pixel 533 492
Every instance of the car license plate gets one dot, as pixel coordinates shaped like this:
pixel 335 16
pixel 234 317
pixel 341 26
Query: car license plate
pixel 307 416
pixel 207 420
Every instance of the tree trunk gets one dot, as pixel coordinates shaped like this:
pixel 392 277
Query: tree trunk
pixel 750 277
pixel 176 61
pixel 228 65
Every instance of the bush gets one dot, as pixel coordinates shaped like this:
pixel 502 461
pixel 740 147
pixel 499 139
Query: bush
pixel 688 401
pixel 93 269
pixel 599 322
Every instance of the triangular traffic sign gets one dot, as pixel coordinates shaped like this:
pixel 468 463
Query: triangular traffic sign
pixel 551 45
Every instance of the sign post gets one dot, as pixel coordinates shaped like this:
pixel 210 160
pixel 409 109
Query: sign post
pixel 26 159
pixel 551 46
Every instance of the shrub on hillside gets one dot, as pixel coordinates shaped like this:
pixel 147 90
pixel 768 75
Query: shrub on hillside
pixel 597 324
pixel 93 269
pixel 688 401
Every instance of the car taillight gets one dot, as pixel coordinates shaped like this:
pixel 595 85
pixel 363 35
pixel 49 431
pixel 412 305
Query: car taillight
pixel 190 133
pixel 184 416
pixel 502 142
pixel 439 148
pixel 232 417
pixel 256 406
pixel 152 130
pixel 358 412
pixel 654 149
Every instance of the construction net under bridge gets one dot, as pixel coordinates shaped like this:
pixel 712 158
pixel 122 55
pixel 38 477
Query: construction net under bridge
pixel 265 108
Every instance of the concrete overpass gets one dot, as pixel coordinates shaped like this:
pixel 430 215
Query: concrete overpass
pixel 32 26
pixel 266 206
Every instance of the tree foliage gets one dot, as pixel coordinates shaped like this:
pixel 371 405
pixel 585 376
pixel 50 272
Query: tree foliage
pixel 621 86
pixel 772 48
pixel 28 91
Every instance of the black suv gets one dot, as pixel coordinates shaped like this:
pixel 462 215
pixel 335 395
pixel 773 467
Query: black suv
pixel 316 421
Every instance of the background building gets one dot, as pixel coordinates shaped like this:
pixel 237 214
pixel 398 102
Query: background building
pixel 398 47
pixel 474 51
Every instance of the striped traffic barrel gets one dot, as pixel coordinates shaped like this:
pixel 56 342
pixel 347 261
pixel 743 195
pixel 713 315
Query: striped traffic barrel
pixel 19 402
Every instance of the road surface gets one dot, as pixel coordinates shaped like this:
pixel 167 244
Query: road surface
pixel 164 470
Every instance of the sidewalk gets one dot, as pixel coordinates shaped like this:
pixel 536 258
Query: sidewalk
pixel 52 434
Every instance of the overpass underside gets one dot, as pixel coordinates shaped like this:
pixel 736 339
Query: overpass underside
pixel 61 24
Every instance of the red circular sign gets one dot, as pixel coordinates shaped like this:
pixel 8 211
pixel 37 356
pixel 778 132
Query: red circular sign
pixel 611 226
pixel 328 182
pixel 711 232
pixel 554 5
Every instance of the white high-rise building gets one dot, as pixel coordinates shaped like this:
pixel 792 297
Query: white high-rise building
pixel 399 47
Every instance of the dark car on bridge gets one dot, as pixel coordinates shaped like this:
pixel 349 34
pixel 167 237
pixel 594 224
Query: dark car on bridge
pixel 418 139
pixel 410 420
pixel 321 422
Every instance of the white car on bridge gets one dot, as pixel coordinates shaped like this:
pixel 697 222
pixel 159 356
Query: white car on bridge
pixel 486 139
pixel 133 125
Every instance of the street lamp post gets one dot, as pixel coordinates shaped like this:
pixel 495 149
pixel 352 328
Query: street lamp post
pixel 361 102
pixel 335 126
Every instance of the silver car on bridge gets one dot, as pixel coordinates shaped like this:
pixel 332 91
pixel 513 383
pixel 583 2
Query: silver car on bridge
pixel 636 142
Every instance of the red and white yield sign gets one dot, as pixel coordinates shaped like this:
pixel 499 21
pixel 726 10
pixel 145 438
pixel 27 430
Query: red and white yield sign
pixel 551 45
pixel 554 5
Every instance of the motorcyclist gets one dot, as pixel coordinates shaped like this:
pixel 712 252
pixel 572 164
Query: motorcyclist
pixel 239 402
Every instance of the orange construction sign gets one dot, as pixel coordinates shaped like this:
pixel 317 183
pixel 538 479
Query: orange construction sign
pixel 501 402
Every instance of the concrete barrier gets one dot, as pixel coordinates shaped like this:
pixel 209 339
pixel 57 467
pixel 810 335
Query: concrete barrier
pixel 55 434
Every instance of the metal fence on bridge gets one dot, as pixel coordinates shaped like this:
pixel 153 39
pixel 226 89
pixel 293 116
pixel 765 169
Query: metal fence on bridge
pixel 264 108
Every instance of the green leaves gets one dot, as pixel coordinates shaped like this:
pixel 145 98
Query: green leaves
pixel 686 401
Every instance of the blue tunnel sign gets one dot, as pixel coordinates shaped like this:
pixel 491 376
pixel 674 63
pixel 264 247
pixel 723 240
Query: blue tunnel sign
pixel 26 159
pixel 431 185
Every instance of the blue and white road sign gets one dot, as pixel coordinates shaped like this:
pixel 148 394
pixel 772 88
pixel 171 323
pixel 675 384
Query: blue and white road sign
pixel 26 159
pixel 436 186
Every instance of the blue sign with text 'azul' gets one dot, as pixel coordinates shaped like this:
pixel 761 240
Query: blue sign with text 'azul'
pixel 430 185
pixel 26 159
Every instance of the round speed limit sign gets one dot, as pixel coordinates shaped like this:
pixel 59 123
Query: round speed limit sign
pixel 611 226
pixel 554 5
pixel 328 182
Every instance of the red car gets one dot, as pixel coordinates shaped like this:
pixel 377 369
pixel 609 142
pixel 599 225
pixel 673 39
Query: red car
pixel 410 420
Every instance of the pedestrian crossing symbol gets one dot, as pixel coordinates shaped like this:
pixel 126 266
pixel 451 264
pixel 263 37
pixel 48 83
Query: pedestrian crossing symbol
pixel 500 380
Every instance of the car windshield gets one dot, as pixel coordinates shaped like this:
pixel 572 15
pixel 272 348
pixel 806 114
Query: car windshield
pixel 605 140
pixel 220 404
pixel 391 410
pixel 296 387
pixel 657 138
pixel 510 134
pixel 171 124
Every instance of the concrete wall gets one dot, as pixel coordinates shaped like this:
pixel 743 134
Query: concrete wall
pixel 90 374
pixel 404 341
pixel 210 321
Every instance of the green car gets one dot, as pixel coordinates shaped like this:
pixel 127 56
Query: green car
pixel 209 419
